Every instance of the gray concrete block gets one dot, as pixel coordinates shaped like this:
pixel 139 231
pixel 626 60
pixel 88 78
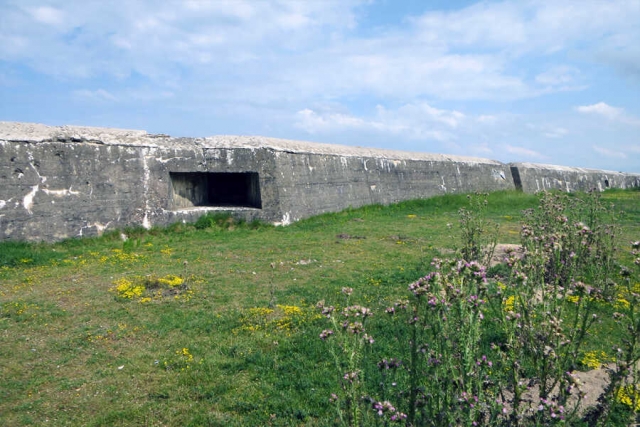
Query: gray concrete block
pixel 533 177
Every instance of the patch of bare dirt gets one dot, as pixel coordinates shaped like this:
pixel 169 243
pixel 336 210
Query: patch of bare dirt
pixel 349 236
pixel 592 383
pixel 502 250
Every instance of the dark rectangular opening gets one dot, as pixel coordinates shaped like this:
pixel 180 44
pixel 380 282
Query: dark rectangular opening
pixel 215 189
pixel 517 182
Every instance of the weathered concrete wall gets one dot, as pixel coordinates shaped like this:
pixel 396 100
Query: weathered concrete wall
pixel 57 183
pixel 61 182
pixel 315 183
pixel 532 177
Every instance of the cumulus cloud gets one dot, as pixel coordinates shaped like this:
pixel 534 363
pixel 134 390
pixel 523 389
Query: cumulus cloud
pixel 313 122
pixel 523 152
pixel 414 121
pixel 560 78
pixel 547 130
pixel 482 149
pixel 487 118
pixel 609 112
pixel 527 26
pixel 423 112
pixel 310 49
pixel 160 40
pixel 601 109
pixel 560 75
pixel 47 15
pixel 98 94
pixel 609 153
pixel 556 132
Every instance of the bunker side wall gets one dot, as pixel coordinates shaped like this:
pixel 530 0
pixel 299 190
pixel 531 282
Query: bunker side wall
pixel 55 190
pixel 311 184
pixel 51 190
pixel 531 177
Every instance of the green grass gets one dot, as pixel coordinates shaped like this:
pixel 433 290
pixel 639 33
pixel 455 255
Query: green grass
pixel 72 353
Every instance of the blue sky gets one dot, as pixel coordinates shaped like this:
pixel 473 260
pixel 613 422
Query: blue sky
pixel 541 81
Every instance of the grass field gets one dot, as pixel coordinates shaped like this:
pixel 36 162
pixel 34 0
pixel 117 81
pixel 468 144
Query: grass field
pixel 225 330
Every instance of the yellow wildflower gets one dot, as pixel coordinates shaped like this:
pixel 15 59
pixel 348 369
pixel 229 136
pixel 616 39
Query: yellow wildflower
pixel 621 304
pixel 290 310
pixel 171 280
pixel 127 289
pixel 260 311
pixel 573 298
pixel 630 397
pixel 594 359
pixel 509 303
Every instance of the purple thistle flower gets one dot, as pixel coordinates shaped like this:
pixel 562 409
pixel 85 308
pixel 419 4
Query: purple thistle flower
pixel 357 311
pixel 347 291
pixel 325 334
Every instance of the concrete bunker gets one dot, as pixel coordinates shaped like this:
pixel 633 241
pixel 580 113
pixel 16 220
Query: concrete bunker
pixel 215 189
pixel 66 181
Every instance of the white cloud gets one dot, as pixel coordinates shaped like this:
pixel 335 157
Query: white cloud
pixel 556 132
pixel 478 24
pixel 422 112
pixel 558 76
pixel 524 26
pixel 609 112
pixel 313 122
pixel 482 149
pixel 160 40
pixel 523 152
pixel 47 15
pixel 487 118
pixel 547 130
pixel 308 50
pixel 601 109
pixel 98 94
pixel 609 153
pixel 414 121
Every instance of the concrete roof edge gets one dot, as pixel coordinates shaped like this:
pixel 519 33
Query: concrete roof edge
pixel 305 147
pixel 568 168
pixel 37 133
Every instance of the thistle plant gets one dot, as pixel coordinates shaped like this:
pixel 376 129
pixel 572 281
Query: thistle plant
pixel 448 368
pixel 477 235
pixel 446 372
pixel 624 385
pixel 550 301
pixel 348 344
pixel 478 352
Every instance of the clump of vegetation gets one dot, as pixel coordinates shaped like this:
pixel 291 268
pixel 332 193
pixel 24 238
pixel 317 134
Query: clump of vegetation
pixel 180 360
pixel 225 221
pixel 477 235
pixel 280 319
pixel 148 288
pixel 13 254
pixel 482 352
